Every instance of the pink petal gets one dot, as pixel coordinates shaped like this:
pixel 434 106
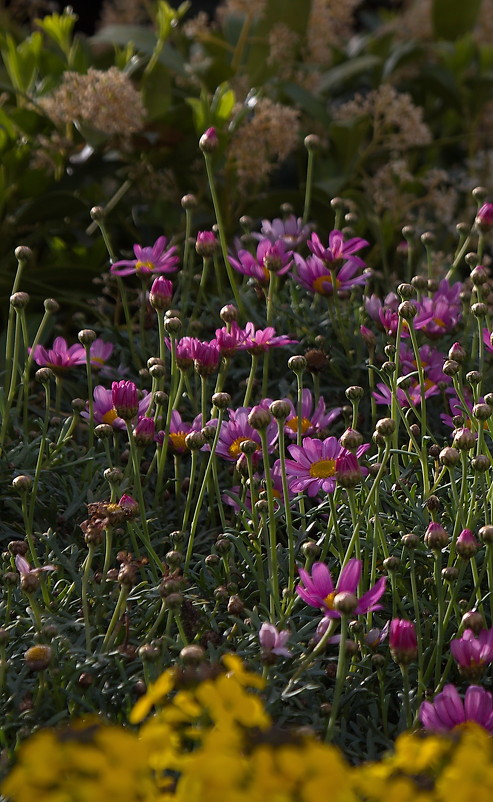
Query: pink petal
pixel 350 576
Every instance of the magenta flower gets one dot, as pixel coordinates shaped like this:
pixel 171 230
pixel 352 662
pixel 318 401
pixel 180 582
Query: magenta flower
pixel 178 430
pixel 161 293
pixel 313 467
pixel 385 314
pixel 60 357
pixel 484 217
pixel 230 340
pixel 105 412
pixel 236 430
pixel 317 278
pixel 338 250
pixel 25 569
pixel 441 313
pixel 403 641
pixel 269 256
pixel 348 471
pixel 318 589
pixel 100 352
pixel 206 356
pixel 472 654
pixel 448 711
pixel 148 260
pixel 291 231
pixel 312 419
pixel 258 342
pixel 144 431
pixel 128 504
pixel 206 243
pixel 125 399
pixel 273 641
pixel 184 351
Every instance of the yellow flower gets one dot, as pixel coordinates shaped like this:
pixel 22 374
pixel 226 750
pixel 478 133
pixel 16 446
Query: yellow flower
pixel 155 694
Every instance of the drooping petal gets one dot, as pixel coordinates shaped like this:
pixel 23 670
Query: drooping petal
pixel 369 600
pixel 349 577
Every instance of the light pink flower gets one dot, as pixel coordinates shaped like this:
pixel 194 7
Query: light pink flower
pixel 274 641
pixel 448 711
pixel 318 588
pixel 150 259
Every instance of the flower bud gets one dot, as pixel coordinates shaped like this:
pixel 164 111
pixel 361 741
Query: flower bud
pixel 188 202
pixel 259 418
pixel 410 540
pixel 351 439
pixel 297 364
pixel 161 293
pixel 450 573
pixel 473 620
pixel 19 300
pixel 436 538
pixel 486 534
pixel 451 367
pixel 479 309
pixel 466 545
pixel 221 400
pixel 479 276
pixel 316 360
pixel 407 310
pixel 206 244
pixel 195 441
pixel 51 305
pixel 44 375
pixel 481 463
pixel 192 655
pixel 473 377
pixel 86 337
pixel 125 399
pixel 208 142
pixel 484 217
pixel 463 439
pixel 22 483
pixel 403 642
pixel 38 657
pixel 345 602
pixel 385 427
pixel 449 457
pixel 457 353
pixel 280 409
pixel 481 411
pixel 228 313
pixel 235 605
pixel 406 291
pixel 354 393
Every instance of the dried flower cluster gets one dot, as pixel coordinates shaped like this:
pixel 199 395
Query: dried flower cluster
pixel 105 100
pixel 124 12
pixel 330 23
pixel 262 141
pixel 397 122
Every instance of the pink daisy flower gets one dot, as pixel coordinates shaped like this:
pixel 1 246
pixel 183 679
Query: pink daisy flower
pixel 317 278
pixel 230 340
pixel 148 260
pixel 338 250
pixel 60 357
pixel 178 430
pixel 100 353
pixel 274 641
pixel 290 230
pixel 104 411
pixel 257 342
pixel 270 256
pixel 236 430
pixel 472 654
pixel 313 419
pixel 318 589
pixel 313 467
pixel 448 711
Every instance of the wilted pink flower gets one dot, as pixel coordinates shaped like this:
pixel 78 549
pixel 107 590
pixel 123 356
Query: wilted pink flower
pixel 448 711
pixel 472 654
pixel 274 641
pixel 125 399
pixel 128 503
pixel 318 589
pixel 60 357
pixel 148 260
pixel 25 569
pixel 403 641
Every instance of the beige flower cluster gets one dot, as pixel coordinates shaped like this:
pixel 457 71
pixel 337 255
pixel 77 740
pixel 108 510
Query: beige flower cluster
pixel 124 12
pixel 263 141
pixel 330 24
pixel 397 123
pixel 106 100
pixel 240 8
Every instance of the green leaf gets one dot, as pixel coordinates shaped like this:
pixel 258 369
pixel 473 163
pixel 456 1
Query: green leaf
pixel 454 18
pixel 156 88
pixel 60 28
pixel 21 61
pixel 345 72
pixel 223 103
pixel 199 114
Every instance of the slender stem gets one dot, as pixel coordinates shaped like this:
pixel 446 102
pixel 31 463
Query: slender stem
pixel 340 680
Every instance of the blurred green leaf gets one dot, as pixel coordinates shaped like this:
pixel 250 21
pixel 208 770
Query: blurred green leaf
pixel 60 28
pixel 454 18
pixel 347 71
pixel 156 87
pixel 21 61
pixel 223 103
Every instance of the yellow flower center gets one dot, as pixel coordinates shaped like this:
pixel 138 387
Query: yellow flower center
pixel 292 424
pixel 234 448
pixel 323 468
pixel 329 600
pixel 178 440
pixel 109 416
pixel 323 285
pixel 439 322
pixel 139 266
pixel 97 359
